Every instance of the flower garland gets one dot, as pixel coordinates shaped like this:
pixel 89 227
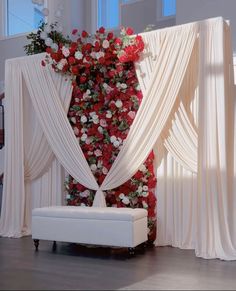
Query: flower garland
pixel 106 97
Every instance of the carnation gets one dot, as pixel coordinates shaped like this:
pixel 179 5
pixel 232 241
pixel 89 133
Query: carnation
pixel 78 55
pixel 65 51
pixel 105 44
pixel 119 103
pixel 83 119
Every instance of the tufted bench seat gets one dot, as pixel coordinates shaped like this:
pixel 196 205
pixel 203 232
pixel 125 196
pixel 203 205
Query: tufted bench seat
pixel 108 226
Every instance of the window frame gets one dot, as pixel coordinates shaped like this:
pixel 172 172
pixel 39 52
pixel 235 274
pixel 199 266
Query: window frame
pixel 3 22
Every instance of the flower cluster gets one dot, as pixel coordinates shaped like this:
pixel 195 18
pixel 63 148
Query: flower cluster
pixel 106 97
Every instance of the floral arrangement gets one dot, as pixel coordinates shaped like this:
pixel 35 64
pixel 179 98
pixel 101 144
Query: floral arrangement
pixel 46 35
pixel 106 97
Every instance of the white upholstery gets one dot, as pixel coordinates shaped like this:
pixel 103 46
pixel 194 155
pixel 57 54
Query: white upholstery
pixel 123 227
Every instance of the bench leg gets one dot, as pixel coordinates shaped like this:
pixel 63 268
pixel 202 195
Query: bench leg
pixel 131 251
pixel 54 246
pixel 36 244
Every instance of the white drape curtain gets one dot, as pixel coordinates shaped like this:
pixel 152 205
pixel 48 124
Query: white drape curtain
pixel 168 76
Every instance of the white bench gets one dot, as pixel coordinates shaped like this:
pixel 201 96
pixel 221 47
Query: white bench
pixel 108 226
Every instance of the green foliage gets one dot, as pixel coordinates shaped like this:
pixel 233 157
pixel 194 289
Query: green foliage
pixel 37 44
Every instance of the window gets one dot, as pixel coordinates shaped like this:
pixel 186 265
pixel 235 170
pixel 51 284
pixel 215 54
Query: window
pixel 109 13
pixel 21 16
pixel 168 7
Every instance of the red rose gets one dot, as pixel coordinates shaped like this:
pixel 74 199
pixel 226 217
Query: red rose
pixel 71 60
pixel 74 31
pixel 118 41
pixel 84 34
pixel 43 63
pixel 101 30
pixel 82 79
pixel 75 70
pixel 129 31
pixel 110 35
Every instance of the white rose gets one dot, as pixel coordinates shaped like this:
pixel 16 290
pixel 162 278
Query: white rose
pixel 99 165
pixel 143 168
pixel 61 64
pixel 98 153
pixel 144 204
pixel 131 114
pixel 145 194
pixel 113 139
pixel 100 129
pixel 88 140
pixel 116 144
pixel 121 196
pixel 109 114
pixel 123 86
pixel 93 167
pixel 103 123
pixel 99 55
pixel 65 51
pixel 90 153
pixel 76 131
pixel 119 103
pixel 105 44
pixel 84 137
pixel 85 194
pixel 83 130
pixel 83 119
pixel 92 114
pixel 125 200
pixel 78 55
pixel 104 170
pixel 73 120
pixel 93 55
pixel 145 188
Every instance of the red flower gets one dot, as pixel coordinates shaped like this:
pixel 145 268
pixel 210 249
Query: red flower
pixel 84 34
pixel 101 30
pixel 43 63
pixel 74 31
pixel 82 79
pixel 129 31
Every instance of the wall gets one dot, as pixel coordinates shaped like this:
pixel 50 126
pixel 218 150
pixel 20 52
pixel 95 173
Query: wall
pixel 142 13
pixel 194 10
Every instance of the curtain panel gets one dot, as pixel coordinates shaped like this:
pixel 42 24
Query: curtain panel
pixel 186 115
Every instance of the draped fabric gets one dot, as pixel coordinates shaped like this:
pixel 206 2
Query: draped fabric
pixel 186 115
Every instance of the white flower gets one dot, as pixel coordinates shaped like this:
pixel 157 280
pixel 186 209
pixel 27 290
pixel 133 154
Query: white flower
pixel 145 194
pixel 98 153
pixel 103 123
pixel 73 120
pixel 82 205
pixel 85 194
pixel 78 55
pixel 90 153
pixel 88 140
pixel 121 196
pixel 43 35
pixel 61 64
pixel 105 44
pixel 68 196
pixel 119 103
pixel 76 130
pixel 113 139
pixel 109 114
pixel 83 130
pixel 104 170
pixel 47 28
pixel 131 114
pixel 100 129
pixel 144 204
pixel 145 188
pixel 93 55
pixel 84 137
pixel 123 86
pixel 100 55
pixel 93 167
pixel 54 46
pixel 116 144
pixel 143 168
pixel 83 119
pixel 86 95
pixel 125 200
pixel 65 51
